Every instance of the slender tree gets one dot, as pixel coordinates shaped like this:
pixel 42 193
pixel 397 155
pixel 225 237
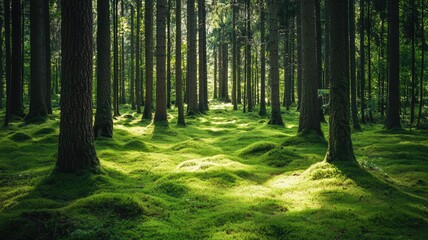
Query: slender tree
pixel 299 56
pixel 48 85
pixel 161 105
pixel 138 95
pixel 262 111
pixel 423 45
pixel 168 57
pixel 248 56
pixel 16 82
pixel 116 58
pixel 234 55
pixel 413 63
pixel 355 121
pixel 8 66
pixel 38 109
pixel 148 34
pixel 393 111
pixel 122 57
pixel 276 118
pixel 76 149
pixel 192 107
pixel 103 119
pixel 178 71
pixel 1 64
pixel 132 73
pixel 309 120
pixel 362 62
pixel 339 143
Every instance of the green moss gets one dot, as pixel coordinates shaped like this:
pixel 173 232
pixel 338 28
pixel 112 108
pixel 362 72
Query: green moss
pixel 20 137
pixel 279 157
pixel 44 131
pixel 257 148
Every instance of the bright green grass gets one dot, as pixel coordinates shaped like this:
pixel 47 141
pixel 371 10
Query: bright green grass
pixel 227 175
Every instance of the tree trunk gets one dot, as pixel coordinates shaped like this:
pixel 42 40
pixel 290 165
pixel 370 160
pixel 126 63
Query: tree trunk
pixel 201 50
pixel 168 62
pixel 319 56
pixel 48 90
pixel 309 121
pixel 413 63
pixel 238 73
pixel 138 87
pixel 340 143
pixel 148 34
pixel 122 68
pixel 393 111
pixel 193 107
pixel 299 57
pixel 1 64
pixel 103 119
pixel 234 55
pixel 276 118
pixel 262 59
pixel 16 83
pixel 215 54
pixel 132 73
pixel 116 59
pixel 355 120
pixel 178 71
pixel 362 62
pixel 161 105
pixel 8 66
pixel 248 57
pixel 421 90
pixel 369 60
pixel 76 149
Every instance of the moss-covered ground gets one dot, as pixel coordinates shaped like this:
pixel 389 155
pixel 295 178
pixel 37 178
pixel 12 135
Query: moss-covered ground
pixel 227 175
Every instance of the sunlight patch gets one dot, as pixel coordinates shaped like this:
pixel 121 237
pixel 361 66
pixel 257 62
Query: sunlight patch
pixel 206 163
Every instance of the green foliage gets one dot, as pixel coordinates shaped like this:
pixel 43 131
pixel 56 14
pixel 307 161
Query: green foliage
pixel 227 175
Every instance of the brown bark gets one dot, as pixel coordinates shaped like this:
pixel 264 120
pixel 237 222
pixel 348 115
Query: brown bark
pixel 178 69
pixel 148 33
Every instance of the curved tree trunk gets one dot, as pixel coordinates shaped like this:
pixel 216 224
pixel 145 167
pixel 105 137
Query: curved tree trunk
pixel 103 119
pixel 76 149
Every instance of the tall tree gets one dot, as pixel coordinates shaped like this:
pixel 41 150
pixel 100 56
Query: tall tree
pixel 178 71
pixel 161 105
pixel 116 58
pixel 423 46
pixel 138 84
pixel 362 62
pixel 369 60
pixel 16 82
pixel 1 64
pixel 413 62
pixel 48 85
pixel 103 119
pixel 132 73
pixel 168 61
pixel 319 55
pixel 38 109
pixel 309 120
pixel 203 81
pixel 299 56
pixel 122 57
pixel 393 111
pixel 276 118
pixel 192 107
pixel 234 55
pixel 76 149
pixel 352 66
pixel 262 111
pixel 8 67
pixel 148 34
pixel 339 143
pixel 248 56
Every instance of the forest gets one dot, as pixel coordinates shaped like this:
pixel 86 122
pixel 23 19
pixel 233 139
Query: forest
pixel 220 119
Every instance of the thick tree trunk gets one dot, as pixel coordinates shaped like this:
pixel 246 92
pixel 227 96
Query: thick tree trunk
pixel 262 59
pixel 276 118
pixel 193 107
pixel 340 144
pixel 103 119
pixel 76 149
pixel 161 105
pixel 309 121
pixel 148 34
pixel 355 120
pixel 393 111
pixel 178 70
pixel 38 109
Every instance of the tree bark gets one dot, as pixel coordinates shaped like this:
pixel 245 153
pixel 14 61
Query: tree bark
pixel 103 119
pixel 132 73
pixel 148 34
pixel 16 83
pixel 192 106
pixel 234 56
pixel 76 149
pixel 138 87
pixel 355 120
pixel 299 57
pixel 362 63
pixel 8 66
pixel 248 57
pixel 178 69
pixel 168 62
pixel 340 143
pixel 276 118
pixel 309 121
pixel 262 111
pixel 393 111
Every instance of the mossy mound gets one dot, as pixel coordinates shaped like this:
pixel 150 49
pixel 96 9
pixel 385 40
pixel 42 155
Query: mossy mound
pixel 323 170
pixel 44 131
pixel 257 148
pixel 279 157
pixel 211 163
pixel 136 145
pixel 195 146
pixel 172 189
pixel 305 139
pixel 121 205
pixel 20 137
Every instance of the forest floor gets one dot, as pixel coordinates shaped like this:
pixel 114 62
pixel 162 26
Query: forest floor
pixel 227 175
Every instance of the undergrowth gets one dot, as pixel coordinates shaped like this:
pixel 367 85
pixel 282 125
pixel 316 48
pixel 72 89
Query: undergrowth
pixel 227 175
